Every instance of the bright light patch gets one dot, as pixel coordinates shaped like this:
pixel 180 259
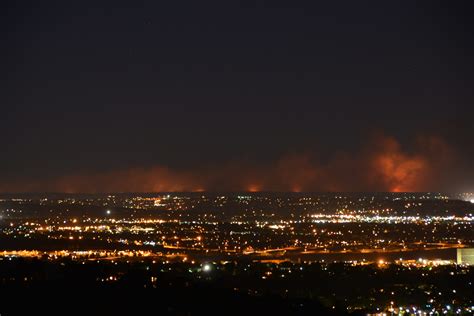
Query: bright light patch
pixel 108 212
pixel 206 268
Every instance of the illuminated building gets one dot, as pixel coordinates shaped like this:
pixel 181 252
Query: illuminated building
pixel 465 256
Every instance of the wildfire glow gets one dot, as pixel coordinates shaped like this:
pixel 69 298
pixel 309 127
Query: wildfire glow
pixel 381 165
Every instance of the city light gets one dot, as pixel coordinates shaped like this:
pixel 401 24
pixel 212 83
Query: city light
pixel 268 236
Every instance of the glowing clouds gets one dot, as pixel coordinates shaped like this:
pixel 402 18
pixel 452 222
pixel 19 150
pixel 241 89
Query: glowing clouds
pixel 399 172
pixel 380 165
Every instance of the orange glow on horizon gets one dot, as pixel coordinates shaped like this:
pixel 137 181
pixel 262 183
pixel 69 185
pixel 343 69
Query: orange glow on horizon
pixel 296 189
pixel 254 188
pixel 380 165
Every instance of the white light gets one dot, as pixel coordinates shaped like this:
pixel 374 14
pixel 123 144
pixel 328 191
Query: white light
pixel 206 268
pixel 108 212
pixel 472 201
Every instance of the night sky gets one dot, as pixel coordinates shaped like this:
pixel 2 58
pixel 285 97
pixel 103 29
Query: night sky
pixel 228 96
